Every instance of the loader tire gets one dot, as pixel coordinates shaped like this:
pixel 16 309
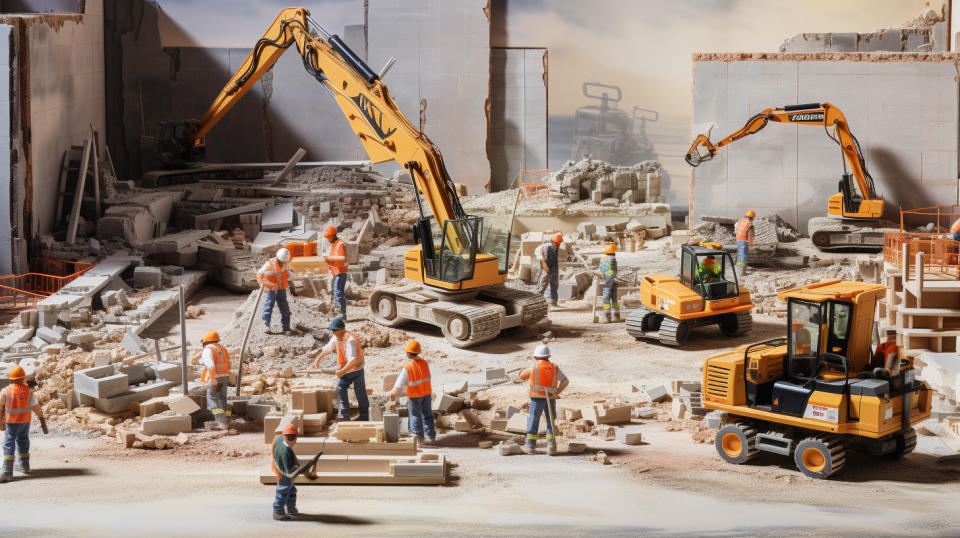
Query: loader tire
pixel 820 457
pixel 735 442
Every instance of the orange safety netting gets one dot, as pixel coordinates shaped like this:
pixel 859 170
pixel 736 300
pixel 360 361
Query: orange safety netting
pixel 941 252
pixel 46 277
pixel 533 183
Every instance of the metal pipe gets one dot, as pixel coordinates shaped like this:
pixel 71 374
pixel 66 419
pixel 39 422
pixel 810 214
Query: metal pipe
pixel 386 67
pixel 183 344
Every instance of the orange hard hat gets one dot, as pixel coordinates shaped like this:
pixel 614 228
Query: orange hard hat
pixel 557 238
pixel 290 429
pixel 611 249
pixel 710 259
pixel 211 336
pixel 751 214
pixel 413 347
pixel 17 372
pixel 330 231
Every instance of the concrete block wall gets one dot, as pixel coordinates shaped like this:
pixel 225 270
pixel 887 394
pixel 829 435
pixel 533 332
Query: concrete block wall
pixel 927 39
pixel 903 110
pixel 442 49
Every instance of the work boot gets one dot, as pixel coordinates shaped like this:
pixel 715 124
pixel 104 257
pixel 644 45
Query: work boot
pixel 25 466
pixel 530 447
pixel 554 303
pixel 4 478
pixel 552 447
pixel 606 318
pixel 293 512
pixel 616 316
pixel 280 516
pixel 267 328
pixel 287 332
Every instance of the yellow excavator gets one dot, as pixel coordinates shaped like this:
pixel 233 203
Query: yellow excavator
pixel 459 265
pixel 812 395
pixel 855 211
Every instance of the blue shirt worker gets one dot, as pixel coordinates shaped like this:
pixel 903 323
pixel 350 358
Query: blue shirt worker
pixel 546 383
pixel 16 404
pixel 548 256
pixel 608 272
pixel 349 368
pixel 415 375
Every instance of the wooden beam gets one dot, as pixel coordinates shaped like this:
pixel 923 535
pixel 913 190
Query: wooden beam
pixel 290 164
pixel 78 194
pixel 200 221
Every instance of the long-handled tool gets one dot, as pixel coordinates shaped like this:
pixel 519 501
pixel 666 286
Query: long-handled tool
pixel 246 336
pixel 593 290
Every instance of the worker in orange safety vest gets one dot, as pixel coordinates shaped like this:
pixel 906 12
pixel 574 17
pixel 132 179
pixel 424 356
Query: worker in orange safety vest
pixel 216 374
pixel 349 368
pixel 16 404
pixel 336 260
pixel 886 358
pixel 415 375
pixel 274 278
pixel 744 232
pixel 546 383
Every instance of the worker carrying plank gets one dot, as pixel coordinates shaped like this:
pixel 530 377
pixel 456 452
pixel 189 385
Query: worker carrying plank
pixel 415 375
pixel 744 231
pixel 608 272
pixel 336 260
pixel 216 374
pixel 350 368
pixel 285 465
pixel 274 277
pixel 546 384
pixel 548 256
pixel 16 403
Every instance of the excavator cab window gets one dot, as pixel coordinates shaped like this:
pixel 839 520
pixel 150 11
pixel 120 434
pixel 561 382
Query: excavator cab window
pixel 458 249
pixel 839 335
pixel 713 276
pixel 803 341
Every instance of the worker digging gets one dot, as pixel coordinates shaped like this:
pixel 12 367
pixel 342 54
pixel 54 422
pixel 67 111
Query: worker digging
pixel 415 376
pixel 363 251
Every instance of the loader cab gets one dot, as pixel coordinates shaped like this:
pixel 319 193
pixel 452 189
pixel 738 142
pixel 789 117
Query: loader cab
pixel 708 272
pixel 816 328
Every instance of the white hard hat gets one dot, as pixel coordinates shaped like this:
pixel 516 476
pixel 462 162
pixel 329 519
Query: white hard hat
pixel 542 351
pixel 283 255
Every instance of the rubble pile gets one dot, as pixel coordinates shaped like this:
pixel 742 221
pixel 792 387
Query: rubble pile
pixel 607 184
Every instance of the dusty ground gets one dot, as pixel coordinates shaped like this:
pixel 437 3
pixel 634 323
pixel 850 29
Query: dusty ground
pixel 669 485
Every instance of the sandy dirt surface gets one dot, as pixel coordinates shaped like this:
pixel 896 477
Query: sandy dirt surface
pixel 88 485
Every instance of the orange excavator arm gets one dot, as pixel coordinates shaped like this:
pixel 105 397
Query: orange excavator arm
pixel 857 198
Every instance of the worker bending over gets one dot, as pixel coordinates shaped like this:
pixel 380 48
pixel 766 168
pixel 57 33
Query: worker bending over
pixel 16 403
pixel 546 383
pixel 548 256
pixel 886 358
pixel 744 231
pixel 350 368
pixel 274 277
pixel 336 260
pixel 216 374
pixel 415 375
pixel 708 271
pixel 608 272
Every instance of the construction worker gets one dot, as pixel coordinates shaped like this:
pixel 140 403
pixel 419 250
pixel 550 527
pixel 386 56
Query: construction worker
pixel 337 262
pixel 216 374
pixel 274 277
pixel 350 368
pixel 886 358
pixel 608 272
pixel 548 256
pixel 415 375
pixel 16 403
pixel 744 231
pixel 546 379
pixel 284 465
pixel 708 270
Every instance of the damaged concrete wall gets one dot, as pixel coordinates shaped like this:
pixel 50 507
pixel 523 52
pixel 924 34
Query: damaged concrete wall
pixel 442 76
pixel 518 114
pixel 901 107
pixel 7 187
pixel 64 81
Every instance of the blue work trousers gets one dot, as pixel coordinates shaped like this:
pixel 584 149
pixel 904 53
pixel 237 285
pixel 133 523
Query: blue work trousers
pixel 339 295
pixel 359 389
pixel 548 283
pixel 16 436
pixel 421 416
pixel 538 406
pixel 217 399
pixel 286 497
pixel 743 249
pixel 280 298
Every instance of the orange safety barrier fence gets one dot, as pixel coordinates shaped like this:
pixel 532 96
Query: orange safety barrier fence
pixel 46 277
pixel 941 252
pixel 533 183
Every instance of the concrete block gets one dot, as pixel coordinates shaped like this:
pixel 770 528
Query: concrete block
pixel 51 335
pixel 183 405
pixel 278 217
pixel 658 393
pixel 599 415
pixel 888 40
pixel 567 290
pixel 576 447
pixel 152 390
pixel 102 357
pixel 169 371
pixel 391 427
pixel 843 42
pixel 136 372
pixel 145 276
pixel 629 436
pixel 153 406
pixel 495 374
pixel 509 448
pixel 679 409
pixel 16 337
pixel 118 403
pixel 388 381
pixel 100 382
pixel 644 412
pixel 166 424
pixel 454 389
pixel 448 404
pixel 714 419
pixel 256 411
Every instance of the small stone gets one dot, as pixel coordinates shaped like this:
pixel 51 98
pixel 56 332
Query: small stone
pixel 602 457
pixel 485 444
pixel 509 448
pixel 271 351
pixel 577 448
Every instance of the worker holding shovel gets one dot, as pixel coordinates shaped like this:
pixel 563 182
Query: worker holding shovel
pixel 546 384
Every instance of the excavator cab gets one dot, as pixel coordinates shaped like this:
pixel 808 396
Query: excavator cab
pixel 450 254
pixel 170 147
pixel 708 272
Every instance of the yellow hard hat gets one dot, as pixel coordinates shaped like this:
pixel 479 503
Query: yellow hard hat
pixel 210 337
pixel 611 249
pixel 413 347
pixel 751 214
pixel 17 372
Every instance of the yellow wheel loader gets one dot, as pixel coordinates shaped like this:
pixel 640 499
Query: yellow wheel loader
pixel 812 395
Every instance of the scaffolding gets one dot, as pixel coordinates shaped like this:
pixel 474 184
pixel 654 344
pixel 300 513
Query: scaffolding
pixel 533 183
pixel 941 253
pixel 46 277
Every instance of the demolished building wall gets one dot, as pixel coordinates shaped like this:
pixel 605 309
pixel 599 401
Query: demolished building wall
pixel 901 107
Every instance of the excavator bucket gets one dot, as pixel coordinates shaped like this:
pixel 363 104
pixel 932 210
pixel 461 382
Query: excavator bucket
pixel 701 150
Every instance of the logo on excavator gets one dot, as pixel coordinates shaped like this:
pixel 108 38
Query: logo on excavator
pixel 373 115
pixel 813 116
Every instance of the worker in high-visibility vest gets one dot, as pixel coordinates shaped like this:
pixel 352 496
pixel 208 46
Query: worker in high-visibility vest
pixel 548 256
pixel 216 374
pixel 744 233
pixel 274 277
pixel 415 375
pixel 608 272
pixel 886 358
pixel 16 404
pixel 336 260
pixel 546 383
pixel 349 368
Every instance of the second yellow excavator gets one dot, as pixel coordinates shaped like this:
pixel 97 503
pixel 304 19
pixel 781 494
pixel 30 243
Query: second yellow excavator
pixel 460 264
pixel 855 211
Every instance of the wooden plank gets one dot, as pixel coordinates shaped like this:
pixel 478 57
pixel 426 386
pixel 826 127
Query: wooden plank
pixel 96 172
pixel 61 188
pixel 309 446
pixel 944 312
pixel 383 479
pixel 201 220
pixel 297 156
pixel 78 194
